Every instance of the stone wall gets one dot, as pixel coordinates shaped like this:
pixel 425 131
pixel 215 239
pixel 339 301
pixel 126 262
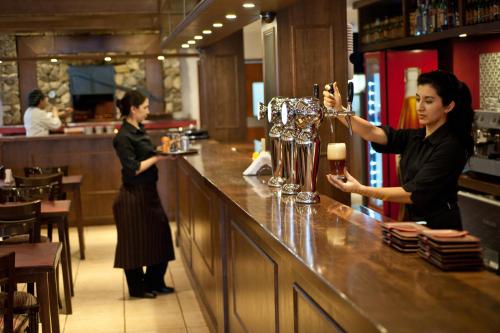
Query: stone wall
pixel 9 83
pixel 52 79
pixel 172 85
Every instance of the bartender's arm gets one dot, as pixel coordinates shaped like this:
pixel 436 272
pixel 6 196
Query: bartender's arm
pixel 360 126
pixel 392 194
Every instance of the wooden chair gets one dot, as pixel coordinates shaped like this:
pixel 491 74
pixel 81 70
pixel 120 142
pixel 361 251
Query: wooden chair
pixel 46 192
pixel 18 308
pixel 38 171
pixel 53 180
pixel 19 219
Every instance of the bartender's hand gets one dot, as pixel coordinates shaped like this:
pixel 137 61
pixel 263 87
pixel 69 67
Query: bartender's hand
pixel 55 112
pixel 332 101
pixel 66 112
pixel 351 185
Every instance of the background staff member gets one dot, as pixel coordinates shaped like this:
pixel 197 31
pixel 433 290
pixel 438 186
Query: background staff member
pixel 144 236
pixel 37 121
pixel 432 157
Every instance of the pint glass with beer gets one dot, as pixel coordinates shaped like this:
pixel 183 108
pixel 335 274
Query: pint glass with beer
pixel 336 153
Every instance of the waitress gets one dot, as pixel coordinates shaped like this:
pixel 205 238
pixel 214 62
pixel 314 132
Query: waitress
pixel 144 236
pixel 432 157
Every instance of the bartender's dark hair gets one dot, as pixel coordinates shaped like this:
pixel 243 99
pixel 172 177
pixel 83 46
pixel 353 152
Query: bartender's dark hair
pixel 449 88
pixel 131 98
pixel 35 97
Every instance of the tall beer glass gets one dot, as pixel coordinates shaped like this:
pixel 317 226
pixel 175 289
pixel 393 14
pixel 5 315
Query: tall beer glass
pixel 336 153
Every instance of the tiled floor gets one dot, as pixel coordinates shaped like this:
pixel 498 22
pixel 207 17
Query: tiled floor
pixel 101 302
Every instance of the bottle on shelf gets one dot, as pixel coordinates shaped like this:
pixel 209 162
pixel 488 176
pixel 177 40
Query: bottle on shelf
pixel 418 19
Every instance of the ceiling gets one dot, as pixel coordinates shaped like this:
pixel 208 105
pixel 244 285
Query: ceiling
pixel 91 16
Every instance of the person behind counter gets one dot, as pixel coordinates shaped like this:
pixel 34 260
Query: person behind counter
pixel 144 236
pixel 37 121
pixel 432 157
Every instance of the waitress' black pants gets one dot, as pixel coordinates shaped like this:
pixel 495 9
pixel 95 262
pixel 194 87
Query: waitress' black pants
pixel 138 282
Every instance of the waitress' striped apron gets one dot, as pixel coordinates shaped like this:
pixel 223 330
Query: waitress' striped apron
pixel 144 236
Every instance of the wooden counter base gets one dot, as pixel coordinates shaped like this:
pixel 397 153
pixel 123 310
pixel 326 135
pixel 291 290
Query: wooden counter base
pixel 262 263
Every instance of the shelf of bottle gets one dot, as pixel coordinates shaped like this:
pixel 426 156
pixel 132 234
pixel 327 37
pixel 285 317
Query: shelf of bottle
pixel 470 30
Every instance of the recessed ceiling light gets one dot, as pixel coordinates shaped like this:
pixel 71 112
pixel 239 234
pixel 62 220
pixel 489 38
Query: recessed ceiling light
pixel 0 61
pixel 231 16
pixel 207 32
pixel 197 37
pixel 462 35
pixel 53 60
pixel 185 46
pixel 160 57
pixel 248 5
pixel 191 42
pixel 217 25
pixel 108 59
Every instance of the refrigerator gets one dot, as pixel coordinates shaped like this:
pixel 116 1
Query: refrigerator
pixel 385 93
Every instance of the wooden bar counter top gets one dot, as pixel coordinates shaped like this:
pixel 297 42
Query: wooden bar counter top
pixel 262 263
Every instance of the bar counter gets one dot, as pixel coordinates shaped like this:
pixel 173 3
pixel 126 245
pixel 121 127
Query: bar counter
pixel 262 263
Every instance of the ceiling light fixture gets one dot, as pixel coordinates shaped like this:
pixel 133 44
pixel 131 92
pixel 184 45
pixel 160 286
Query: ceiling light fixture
pixel 160 57
pixel 198 37
pixel 207 32
pixel 462 35
pixel 248 5
pixel 231 16
pixel 217 25
pixel 53 60
pixel 191 42
pixel 185 46
pixel 108 59
pixel 0 61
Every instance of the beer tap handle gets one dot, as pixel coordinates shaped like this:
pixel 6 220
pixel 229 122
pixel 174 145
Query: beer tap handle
pixel 350 92
pixel 350 96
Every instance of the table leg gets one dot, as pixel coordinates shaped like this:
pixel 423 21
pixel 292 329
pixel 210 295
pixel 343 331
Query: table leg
pixel 79 223
pixel 65 262
pixel 43 300
pixel 54 309
pixel 68 250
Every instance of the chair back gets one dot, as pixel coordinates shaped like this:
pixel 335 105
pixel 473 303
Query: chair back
pixel 38 171
pixel 53 181
pixel 7 265
pixel 20 218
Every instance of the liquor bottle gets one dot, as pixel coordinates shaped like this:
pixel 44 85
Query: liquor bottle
pixel 425 12
pixel 432 15
pixel 418 19
pixel 408 117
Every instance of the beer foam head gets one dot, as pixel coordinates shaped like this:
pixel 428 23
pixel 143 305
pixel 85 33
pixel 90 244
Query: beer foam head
pixel 336 151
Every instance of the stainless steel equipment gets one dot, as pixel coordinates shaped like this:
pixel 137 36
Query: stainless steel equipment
pixel 309 113
pixel 273 112
pixel 486 157
pixel 289 147
pixel 347 113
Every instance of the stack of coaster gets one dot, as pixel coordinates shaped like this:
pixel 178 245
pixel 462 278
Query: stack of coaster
pixel 403 236
pixel 451 249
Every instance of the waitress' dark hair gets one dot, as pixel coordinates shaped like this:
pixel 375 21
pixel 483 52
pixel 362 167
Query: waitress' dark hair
pixel 131 98
pixel 35 97
pixel 460 118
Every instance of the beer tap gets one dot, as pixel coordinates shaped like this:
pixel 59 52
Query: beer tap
pixel 273 111
pixel 348 112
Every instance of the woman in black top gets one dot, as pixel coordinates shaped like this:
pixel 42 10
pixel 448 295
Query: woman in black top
pixel 432 157
pixel 144 237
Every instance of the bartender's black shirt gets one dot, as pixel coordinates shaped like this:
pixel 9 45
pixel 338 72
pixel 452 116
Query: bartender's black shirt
pixel 429 169
pixel 133 145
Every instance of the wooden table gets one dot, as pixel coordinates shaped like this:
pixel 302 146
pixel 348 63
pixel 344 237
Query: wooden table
pixel 37 263
pixel 72 184
pixel 57 212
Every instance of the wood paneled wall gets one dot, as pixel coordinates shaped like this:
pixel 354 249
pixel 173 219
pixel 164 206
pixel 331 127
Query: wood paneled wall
pixel 222 89
pixel 95 159
pixel 311 48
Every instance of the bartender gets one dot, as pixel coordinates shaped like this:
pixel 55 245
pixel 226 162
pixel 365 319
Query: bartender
pixel 432 157
pixel 37 121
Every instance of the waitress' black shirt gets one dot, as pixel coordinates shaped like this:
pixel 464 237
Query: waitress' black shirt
pixel 132 146
pixel 429 167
